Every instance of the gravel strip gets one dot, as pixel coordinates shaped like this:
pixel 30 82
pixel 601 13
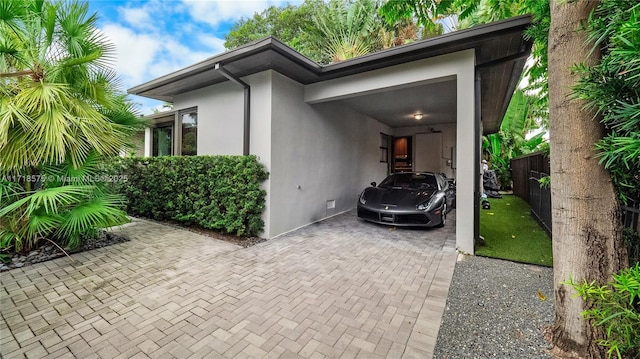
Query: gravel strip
pixel 494 311
pixel 47 251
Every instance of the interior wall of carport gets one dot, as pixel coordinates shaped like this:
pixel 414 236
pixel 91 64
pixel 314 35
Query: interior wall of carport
pixel 322 157
pixel 447 131
pixel 460 65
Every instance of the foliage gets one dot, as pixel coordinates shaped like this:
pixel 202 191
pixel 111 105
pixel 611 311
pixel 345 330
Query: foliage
pixel 70 204
pixel 545 182
pixel 537 73
pixel 511 141
pixel 427 12
pixel 326 32
pixel 487 11
pixel 631 240
pixel 60 113
pixel 289 24
pixel 616 308
pixel 215 192
pixel 510 232
pixel 57 89
pixel 345 30
pixel 612 89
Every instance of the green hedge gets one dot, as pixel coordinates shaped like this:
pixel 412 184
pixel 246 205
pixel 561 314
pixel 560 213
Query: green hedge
pixel 215 192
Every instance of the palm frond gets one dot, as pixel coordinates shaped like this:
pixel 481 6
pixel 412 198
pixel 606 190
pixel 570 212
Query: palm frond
pixel 50 200
pixel 101 212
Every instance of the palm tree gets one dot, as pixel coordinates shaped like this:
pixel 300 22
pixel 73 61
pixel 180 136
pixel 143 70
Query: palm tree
pixel 346 29
pixel 511 141
pixel 61 113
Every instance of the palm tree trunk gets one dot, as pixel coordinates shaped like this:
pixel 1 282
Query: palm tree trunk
pixel 587 242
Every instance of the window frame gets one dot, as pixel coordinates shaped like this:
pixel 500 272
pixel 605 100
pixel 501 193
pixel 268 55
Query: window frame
pixel 179 128
pixel 157 126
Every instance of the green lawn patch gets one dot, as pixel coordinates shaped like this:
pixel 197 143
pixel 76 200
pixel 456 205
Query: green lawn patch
pixel 510 232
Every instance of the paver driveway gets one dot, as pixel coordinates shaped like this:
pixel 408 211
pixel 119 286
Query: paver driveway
pixel 339 288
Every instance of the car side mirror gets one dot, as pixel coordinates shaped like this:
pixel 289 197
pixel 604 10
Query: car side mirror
pixel 452 182
pixel 373 184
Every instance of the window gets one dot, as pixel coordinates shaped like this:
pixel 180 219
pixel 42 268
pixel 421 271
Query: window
pixel 189 122
pixel 384 148
pixel 163 139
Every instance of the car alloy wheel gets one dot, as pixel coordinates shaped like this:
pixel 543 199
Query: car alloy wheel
pixel 443 216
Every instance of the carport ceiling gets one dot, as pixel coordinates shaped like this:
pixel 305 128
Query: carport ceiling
pixel 437 101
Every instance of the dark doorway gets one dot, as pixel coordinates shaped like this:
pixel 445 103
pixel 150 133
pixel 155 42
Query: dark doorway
pixel 402 154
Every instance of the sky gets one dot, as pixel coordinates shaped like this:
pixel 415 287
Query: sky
pixel 156 37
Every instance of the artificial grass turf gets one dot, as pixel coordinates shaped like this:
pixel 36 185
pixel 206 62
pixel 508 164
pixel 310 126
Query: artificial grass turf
pixel 510 232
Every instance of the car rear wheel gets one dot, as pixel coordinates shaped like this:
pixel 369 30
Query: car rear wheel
pixel 443 216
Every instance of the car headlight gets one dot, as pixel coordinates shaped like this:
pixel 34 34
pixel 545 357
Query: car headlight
pixel 361 198
pixel 427 206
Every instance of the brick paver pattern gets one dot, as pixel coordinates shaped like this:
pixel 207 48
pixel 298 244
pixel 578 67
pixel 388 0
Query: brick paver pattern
pixel 340 288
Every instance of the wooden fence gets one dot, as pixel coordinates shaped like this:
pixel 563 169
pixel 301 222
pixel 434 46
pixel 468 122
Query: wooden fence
pixel 521 168
pixel 540 201
pixel 527 170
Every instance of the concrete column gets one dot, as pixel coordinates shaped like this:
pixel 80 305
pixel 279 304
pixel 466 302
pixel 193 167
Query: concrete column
pixel 147 142
pixel 466 154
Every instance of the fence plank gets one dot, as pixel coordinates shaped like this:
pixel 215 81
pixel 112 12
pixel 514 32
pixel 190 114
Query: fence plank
pixel 540 201
pixel 521 168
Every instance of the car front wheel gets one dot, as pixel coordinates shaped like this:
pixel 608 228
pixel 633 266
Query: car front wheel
pixel 443 216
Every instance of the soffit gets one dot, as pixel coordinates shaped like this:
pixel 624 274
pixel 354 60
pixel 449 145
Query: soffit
pixel 500 48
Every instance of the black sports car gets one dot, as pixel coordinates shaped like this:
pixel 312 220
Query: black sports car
pixel 420 199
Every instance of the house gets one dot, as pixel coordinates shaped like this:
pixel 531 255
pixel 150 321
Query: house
pixel 325 132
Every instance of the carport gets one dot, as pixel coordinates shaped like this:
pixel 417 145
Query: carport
pixel 321 130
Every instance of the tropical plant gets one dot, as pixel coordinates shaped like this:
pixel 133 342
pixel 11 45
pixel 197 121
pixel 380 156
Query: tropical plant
pixel 511 141
pixel 612 90
pixel 615 307
pixel 431 14
pixel 60 113
pixel 71 203
pixel 289 24
pixel 428 13
pixel 327 31
pixel 345 29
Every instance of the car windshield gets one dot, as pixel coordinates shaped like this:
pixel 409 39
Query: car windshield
pixel 410 181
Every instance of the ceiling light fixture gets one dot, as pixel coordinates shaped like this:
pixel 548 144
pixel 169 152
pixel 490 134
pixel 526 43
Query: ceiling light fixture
pixel 418 116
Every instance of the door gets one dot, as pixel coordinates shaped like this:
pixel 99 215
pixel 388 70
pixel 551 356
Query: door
pixel 428 152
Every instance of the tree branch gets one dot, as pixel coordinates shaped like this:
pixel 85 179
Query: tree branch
pixel 17 74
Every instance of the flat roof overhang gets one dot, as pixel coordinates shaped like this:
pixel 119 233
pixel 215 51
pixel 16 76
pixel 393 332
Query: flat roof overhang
pixel 500 47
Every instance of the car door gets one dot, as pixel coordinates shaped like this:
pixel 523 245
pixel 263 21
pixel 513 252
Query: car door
pixel 447 189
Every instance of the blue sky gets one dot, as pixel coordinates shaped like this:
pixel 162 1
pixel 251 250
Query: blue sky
pixel 155 37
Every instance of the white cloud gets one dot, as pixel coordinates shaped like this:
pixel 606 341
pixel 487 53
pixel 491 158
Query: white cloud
pixel 155 38
pixel 173 60
pixel 138 17
pixel 216 44
pixel 216 11
pixel 134 52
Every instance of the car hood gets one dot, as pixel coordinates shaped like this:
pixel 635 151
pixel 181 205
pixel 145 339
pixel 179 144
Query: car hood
pixel 397 197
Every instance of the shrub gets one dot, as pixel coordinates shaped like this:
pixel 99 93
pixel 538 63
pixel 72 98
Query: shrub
pixel 61 202
pixel 616 308
pixel 215 192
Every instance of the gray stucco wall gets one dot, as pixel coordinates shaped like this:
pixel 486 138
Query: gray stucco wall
pixel 323 152
pixel 261 129
pixel 306 139
pixel 219 117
